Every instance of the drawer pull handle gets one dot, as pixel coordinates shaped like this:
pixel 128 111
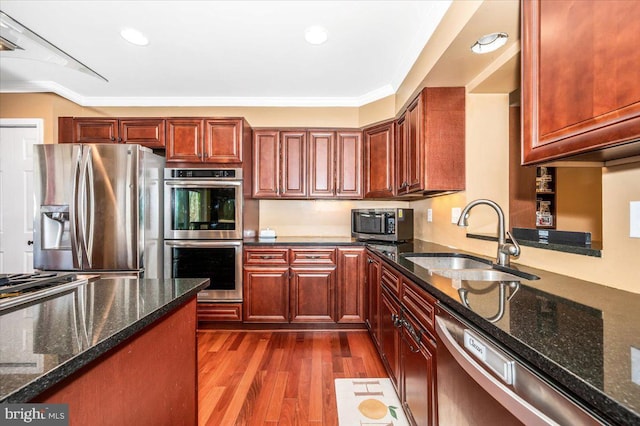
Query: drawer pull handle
pixel 267 257
pixel 313 257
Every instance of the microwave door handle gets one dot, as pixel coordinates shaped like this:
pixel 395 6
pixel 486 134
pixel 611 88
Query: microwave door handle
pixel 76 252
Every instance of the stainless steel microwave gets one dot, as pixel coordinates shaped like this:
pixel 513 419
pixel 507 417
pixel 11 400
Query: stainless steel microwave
pixel 382 224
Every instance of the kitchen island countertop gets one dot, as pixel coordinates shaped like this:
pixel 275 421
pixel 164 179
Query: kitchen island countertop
pixel 62 334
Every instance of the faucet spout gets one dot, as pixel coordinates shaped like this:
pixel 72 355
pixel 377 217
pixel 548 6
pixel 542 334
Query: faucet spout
pixel 505 250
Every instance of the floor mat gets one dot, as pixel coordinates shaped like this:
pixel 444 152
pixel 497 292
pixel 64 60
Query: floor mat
pixel 368 401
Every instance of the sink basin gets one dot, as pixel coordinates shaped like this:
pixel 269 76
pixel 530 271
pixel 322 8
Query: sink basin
pixel 465 267
pixel 448 262
pixel 476 275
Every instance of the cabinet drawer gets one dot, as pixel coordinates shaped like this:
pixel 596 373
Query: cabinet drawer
pixel 266 256
pixel 419 303
pixel 220 312
pixel 391 280
pixel 320 256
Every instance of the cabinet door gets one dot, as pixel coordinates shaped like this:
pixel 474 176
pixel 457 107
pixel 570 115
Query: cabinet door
pixel 349 165
pixel 379 163
pixel 351 284
pixel 418 374
pixel 373 299
pixel 414 143
pixel 184 140
pixel 147 132
pixel 312 294
pixel 321 164
pixel 580 93
pixel 390 336
pixel 293 151
pixel 223 141
pixel 266 163
pixel 402 181
pixel 441 139
pixel 266 294
pixel 95 130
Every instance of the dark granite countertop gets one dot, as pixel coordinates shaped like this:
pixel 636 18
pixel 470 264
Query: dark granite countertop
pixel 64 333
pixel 581 335
pixel 307 241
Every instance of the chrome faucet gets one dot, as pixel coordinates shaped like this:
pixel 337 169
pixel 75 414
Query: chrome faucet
pixel 504 249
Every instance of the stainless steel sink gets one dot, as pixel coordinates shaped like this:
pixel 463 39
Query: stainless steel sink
pixel 465 268
pixel 448 262
pixel 476 275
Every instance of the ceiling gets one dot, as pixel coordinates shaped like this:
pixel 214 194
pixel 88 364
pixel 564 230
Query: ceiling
pixel 219 53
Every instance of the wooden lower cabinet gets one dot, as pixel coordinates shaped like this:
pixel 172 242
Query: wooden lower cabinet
pixel 304 284
pixel 418 374
pixel 312 294
pixel 372 278
pixel 400 318
pixel 390 336
pixel 266 294
pixel 351 281
pixel 228 312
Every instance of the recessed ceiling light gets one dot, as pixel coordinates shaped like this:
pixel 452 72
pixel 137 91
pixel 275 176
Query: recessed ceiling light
pixel 315 34
pixel 134 37
pixel 489 43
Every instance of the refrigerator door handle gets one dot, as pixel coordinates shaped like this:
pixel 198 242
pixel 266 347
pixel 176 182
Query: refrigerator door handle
pixel 91 208
pixel 83 207
pixel 76 252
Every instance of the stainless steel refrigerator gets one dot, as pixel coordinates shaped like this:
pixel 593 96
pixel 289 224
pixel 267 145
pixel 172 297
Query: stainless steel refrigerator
pixel 98 208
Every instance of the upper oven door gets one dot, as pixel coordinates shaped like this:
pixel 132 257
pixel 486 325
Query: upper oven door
pixel 203 209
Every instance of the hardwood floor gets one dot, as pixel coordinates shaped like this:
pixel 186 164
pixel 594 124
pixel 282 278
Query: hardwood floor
pixel 278 377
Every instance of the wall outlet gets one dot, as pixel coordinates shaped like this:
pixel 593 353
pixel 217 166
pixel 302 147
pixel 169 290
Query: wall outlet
pixel 634 219
pixel 429 215
pixel 455 214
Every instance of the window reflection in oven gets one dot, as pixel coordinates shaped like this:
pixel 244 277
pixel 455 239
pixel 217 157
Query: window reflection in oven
pixel 204 209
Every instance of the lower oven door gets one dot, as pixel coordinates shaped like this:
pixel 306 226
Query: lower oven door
pixel 218 260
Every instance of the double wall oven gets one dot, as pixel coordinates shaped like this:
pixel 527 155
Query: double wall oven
pixel 203 229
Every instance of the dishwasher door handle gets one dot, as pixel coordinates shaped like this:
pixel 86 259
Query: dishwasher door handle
pixel 520 408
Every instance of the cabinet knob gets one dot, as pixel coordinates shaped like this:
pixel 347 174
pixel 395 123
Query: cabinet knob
pixel 30 242
pixel 112 138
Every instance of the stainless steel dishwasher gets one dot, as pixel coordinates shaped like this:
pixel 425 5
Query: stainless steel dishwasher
pixel 480 384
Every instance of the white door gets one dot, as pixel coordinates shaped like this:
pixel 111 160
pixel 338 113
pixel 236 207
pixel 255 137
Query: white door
pixel 17 137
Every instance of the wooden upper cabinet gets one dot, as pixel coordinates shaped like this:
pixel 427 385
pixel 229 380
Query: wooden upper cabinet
pixel 266 163
pixel 293 151
pixel 90 130
pixel 212 140
pixel 307 163
pixel 348 164
pixel 379 163
pixel 430 140
pixel 580 91
pixel 184 139
pixel 402 140
pixel 223 141
pixel 321 164
pixel 149 132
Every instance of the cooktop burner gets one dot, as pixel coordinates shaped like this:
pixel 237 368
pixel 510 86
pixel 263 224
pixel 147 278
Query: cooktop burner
pixel 16 289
